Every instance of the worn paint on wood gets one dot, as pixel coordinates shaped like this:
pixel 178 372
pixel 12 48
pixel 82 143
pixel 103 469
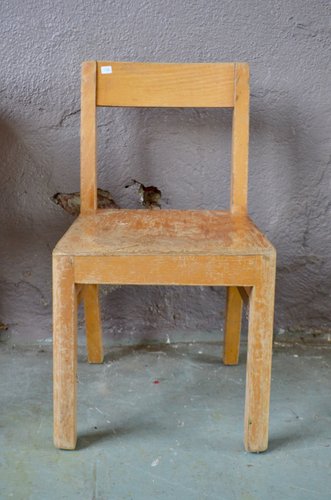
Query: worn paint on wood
pixel 138 232
pixel 64 352
pixel 258 371
pixel 201 270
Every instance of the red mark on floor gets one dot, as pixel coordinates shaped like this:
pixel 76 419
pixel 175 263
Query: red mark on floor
pixel 156 382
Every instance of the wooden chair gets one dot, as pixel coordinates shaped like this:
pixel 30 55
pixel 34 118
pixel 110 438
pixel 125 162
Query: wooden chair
pixel 164 247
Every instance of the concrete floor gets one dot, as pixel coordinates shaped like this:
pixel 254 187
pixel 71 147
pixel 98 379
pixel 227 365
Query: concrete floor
pixel 165 422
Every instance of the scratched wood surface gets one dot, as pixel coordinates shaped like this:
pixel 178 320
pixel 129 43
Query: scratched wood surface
pixel 167 246
pixel 259 356
pixel 65 301
pixel 134 232
pixel 202 270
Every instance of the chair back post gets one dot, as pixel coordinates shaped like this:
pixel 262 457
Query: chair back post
pixel 88 171
pixel 240 137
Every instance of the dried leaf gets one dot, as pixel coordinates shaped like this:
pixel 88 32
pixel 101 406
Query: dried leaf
pixel 70 202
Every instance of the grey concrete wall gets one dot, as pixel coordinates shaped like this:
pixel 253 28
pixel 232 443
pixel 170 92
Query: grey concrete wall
pixel 185 153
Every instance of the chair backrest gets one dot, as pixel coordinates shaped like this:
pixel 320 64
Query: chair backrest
pixel 209 85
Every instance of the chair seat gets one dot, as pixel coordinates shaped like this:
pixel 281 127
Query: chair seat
pixel 157 232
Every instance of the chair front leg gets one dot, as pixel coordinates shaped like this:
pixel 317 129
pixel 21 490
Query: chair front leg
pixel 232 326
pixel 64 352
pixel 258 371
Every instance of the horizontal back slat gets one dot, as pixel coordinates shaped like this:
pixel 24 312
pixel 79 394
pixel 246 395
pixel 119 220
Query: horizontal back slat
pixel 165 85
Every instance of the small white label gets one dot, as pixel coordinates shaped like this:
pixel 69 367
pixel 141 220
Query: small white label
pixel 106 70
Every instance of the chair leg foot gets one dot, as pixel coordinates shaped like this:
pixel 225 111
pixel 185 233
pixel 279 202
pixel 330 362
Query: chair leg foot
pixel 64 353
pixel 93 324
pixel 232 326
pixel 258 375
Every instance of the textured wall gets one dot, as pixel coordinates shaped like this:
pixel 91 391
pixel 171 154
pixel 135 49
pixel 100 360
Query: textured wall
pixel 185 153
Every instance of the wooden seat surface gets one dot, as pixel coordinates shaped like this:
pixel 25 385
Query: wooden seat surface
pixel 170 232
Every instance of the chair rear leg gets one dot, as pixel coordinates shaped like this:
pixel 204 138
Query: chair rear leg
pixel 64 353
pixel 232 326
pixel 258 371
pixel 93 324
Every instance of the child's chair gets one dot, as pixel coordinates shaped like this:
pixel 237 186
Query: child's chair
pixel 164 247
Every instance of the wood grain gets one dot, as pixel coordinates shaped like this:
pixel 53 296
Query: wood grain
pixel 166 85
pixel 258 371
pixel 88 170
pixel 64 352
pixel 232 326
pixel 202 270
pixel 240 135
pixel 93 324
pixel 134 232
